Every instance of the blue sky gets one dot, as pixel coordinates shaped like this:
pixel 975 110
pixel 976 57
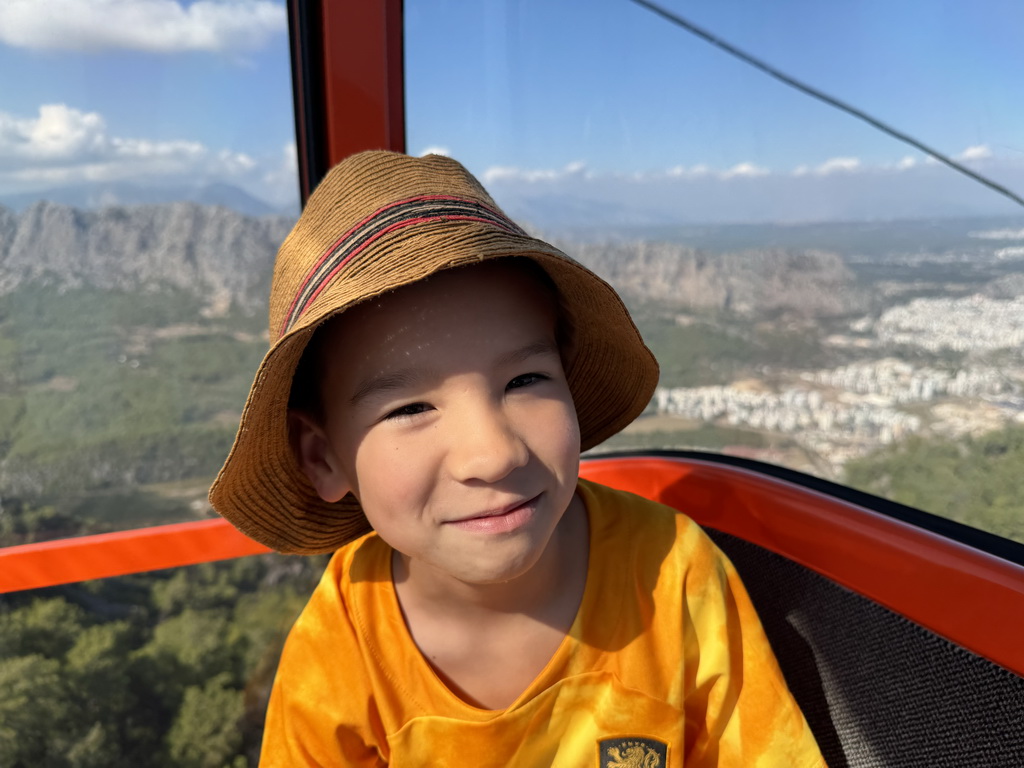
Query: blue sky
pixel 627 91
pixel 601 101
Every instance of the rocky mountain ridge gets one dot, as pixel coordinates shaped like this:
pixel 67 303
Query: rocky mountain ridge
pixel 219 254
pixel 755 282
pixel 226 258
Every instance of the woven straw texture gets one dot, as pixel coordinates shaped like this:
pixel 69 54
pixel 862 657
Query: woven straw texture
pixel 376 222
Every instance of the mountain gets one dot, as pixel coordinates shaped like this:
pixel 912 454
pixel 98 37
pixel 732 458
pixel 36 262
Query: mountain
pixel 226 258
pixel 754 282
pixel 219 254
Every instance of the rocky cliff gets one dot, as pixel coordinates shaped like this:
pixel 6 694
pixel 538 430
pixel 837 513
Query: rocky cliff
pixel 808 283
pixel 223 256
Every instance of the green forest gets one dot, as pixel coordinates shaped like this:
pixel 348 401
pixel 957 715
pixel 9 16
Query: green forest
pixel 108 399
pixel 977 481
pixel 161 669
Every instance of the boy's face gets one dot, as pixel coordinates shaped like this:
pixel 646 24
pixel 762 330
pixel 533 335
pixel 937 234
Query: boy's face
pixel 448 415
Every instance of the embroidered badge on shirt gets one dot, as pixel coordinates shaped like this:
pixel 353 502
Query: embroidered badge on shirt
pixel 632 752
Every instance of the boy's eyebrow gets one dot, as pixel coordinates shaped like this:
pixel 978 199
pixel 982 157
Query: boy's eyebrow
pixel 383 383
pixel 406 378
pixel 540 347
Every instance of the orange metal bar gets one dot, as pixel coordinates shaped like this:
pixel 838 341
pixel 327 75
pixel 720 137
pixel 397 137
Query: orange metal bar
pixel 972 598
pixel 48 563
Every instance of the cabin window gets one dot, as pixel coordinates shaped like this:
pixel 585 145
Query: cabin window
pixel 147 177
pixel 821 296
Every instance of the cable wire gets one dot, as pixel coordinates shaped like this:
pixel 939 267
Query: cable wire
pixel 830 100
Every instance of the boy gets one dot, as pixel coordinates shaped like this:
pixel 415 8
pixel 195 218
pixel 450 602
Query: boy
pixel 434 375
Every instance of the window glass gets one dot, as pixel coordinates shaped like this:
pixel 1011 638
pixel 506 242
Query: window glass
pixel 147 177
pixel 820 295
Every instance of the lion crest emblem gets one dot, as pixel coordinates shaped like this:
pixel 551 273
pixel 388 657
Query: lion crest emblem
pixel 633 752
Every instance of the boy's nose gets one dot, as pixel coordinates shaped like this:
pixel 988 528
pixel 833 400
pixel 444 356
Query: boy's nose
pixel 487 448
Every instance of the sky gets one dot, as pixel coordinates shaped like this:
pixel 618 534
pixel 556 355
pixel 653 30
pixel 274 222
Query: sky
pixel 563 108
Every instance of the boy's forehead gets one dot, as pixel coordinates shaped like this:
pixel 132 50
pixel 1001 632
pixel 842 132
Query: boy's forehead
pixel 453 291
pixel 452 307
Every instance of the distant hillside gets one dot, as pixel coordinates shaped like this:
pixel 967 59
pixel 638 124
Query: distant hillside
pixel 755 282
pixel 219 255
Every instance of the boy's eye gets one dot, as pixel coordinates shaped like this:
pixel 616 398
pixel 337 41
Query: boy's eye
pixel 407 410
pixel 526 380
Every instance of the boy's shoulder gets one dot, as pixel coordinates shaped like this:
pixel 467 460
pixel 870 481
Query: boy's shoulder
pixel 358 573
pixel 633 517
pixel 636 540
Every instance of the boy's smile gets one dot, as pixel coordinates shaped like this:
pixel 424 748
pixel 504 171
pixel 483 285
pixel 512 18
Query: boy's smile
pixel 448 415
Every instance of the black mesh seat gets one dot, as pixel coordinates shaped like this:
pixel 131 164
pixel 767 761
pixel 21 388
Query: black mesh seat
pixel 877 689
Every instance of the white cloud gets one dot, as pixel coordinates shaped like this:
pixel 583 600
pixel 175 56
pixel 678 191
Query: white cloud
pixel 511 173
pixel 436 151
pixel 838 165
pixel 58 132
pixel 61 134
pixel 682 171
pixel 279 184
pixel 977 152
pixel 843 188
pixel 290 157
pixel 998 234
pixel 143 149
pixel 502 173
pixel 233 163
pixel 745 170
pixel 63 145
pixel 156 26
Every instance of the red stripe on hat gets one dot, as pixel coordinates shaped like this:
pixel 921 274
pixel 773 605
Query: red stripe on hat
pixel 291 313
pixel 398 225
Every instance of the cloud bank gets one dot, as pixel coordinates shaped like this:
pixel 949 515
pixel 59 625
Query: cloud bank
pixel 64 146
pixel 154 26
pixel 840 188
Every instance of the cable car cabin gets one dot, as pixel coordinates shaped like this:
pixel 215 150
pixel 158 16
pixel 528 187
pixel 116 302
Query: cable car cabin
pixel 899 632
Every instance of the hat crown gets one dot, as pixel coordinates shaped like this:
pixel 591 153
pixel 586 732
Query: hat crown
pixel 349 206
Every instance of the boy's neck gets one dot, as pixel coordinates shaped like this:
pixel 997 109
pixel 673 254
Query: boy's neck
pixel 489 642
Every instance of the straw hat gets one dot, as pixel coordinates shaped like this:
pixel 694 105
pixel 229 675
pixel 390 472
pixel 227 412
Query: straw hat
pixel 378 221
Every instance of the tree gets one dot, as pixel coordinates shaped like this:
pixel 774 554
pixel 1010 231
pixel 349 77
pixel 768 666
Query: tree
pixel 34 713
pixel 206 732
pixel 976 481
pixel 47 627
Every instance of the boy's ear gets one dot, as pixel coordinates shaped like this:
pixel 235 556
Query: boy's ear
pixel 315 455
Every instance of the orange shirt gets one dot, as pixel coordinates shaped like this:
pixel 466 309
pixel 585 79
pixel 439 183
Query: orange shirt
pixel 666 664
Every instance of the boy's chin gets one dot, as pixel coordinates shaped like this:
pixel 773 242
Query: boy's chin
pixel 496 572
pixel 489 571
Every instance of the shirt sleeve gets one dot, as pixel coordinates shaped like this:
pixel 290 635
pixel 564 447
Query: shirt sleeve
pixel 321 710
pixel 739 711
